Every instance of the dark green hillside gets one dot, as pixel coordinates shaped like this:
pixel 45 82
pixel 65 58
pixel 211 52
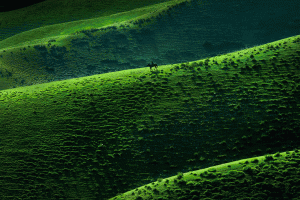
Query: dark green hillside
pixel 67 50
pixel 165 33
pixel 265 177
pixel 56 11
pixel 97 136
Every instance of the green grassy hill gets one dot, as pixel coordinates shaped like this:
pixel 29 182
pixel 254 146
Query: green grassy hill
pixel 97 136
pixel 89 133
pixel 264 177
pixel 60 51
pixel 166 33
pixel 58 12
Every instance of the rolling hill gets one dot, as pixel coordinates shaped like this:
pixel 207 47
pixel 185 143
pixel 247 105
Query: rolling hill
pixel 97 136
pixel 51 12
pixel 165 33
pixel 263 177
pixel 89 133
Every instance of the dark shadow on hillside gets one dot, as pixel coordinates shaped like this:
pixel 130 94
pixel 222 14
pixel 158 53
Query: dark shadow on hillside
pixel 183 33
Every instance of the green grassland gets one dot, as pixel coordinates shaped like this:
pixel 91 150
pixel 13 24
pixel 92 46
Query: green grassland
pixel 29 57
pixel 229 181
pixel 97 136
pixel 132 38
pixel 67 16
pixel 215 122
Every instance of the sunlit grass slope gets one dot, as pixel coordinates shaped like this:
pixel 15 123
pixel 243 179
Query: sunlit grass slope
pixel 97 136
pixel 265 177
pixel 56 12
pixel 53 52
pixel 166 33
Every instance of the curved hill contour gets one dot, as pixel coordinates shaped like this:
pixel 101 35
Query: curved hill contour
pixel 51 12
pixel 272 176
pixel 166 33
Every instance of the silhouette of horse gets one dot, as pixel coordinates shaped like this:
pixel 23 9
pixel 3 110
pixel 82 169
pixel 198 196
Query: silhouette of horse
pixel 152 65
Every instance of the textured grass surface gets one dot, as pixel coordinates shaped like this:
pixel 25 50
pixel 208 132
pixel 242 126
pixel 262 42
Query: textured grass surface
pixel 97 136
pixel 61 15
pixel 260 177
pixel 90 133
pixel 166 33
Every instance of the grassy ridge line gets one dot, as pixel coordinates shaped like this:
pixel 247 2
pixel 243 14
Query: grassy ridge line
pixel 222 170
pixel 36 97
pixel 14 93
pixel 112 76
pixel 55 11
pixel 102 80
pixel 59 31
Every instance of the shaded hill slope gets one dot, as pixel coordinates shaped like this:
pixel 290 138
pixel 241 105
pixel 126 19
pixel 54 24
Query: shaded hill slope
pixel 55 12
pixel 105 134
pixel 62 30
pixel 273 176
pixel 178 33
pixel 43 53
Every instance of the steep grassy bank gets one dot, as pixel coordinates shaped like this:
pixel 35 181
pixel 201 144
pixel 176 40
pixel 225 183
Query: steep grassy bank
pixel 97 136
